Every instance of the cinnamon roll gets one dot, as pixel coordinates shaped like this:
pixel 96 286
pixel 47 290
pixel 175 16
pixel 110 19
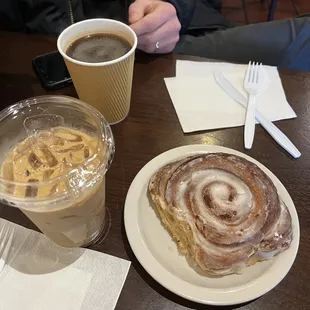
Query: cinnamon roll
pixel 222 210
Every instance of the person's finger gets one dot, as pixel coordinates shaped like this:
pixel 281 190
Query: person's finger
pixel 165 31
pixel 153 20
pixel 165 46
pixel 137 10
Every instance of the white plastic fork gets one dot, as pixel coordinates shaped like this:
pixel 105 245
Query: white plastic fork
pixel 252 85
pixel 6 238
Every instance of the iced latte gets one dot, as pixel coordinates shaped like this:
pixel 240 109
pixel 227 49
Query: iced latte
pixel 52 155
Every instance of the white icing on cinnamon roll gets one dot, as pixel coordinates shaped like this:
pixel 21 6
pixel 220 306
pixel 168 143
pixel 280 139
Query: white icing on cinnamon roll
pixel 222 210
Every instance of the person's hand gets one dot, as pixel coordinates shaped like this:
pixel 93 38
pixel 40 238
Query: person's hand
pixel 156 25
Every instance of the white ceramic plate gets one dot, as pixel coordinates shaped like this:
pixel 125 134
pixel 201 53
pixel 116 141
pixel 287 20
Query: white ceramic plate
pixel 159 256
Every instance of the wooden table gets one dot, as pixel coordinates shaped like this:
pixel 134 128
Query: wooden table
pixel 151 128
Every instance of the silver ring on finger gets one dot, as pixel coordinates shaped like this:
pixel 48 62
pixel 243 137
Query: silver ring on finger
pixel 156 47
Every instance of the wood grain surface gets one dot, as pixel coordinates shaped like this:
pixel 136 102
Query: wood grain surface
pixel 151 128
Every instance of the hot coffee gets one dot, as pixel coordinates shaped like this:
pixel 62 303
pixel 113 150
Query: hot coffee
pixel 99 47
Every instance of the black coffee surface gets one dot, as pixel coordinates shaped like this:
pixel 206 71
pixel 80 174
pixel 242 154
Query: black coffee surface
pixel 99 47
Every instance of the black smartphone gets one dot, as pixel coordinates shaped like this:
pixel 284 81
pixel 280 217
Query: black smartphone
pixel 51 70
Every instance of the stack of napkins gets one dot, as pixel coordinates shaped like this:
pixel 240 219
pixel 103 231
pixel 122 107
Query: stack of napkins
pixel 201 104
pixel 39 275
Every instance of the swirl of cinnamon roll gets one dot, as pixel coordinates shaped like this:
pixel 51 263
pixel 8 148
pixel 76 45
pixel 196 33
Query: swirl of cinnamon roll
pixel 223 211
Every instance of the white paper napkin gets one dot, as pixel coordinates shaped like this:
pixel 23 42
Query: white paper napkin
pixel 41 275
pixel 201 104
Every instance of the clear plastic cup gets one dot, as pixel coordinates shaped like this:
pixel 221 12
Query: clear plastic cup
pixel 55 151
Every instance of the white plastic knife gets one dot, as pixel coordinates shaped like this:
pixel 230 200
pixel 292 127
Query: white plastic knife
pixel 274 131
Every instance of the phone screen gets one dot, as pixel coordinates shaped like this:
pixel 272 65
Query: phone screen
pixel 52 70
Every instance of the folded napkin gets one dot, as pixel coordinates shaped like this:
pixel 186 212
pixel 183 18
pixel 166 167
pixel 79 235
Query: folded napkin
pixel 41 275
pixel 201 104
